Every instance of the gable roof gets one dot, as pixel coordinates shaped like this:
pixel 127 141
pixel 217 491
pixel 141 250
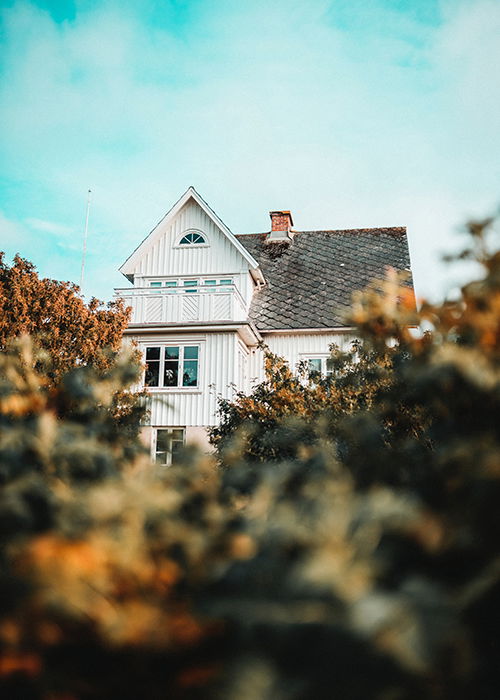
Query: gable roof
pixel 310 281
pixel 128 266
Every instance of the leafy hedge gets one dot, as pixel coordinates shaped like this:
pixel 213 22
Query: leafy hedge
pixel 353 554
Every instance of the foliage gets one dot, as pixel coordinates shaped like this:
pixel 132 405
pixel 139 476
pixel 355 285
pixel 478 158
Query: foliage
pixel 315 408
pixel 278 582
pixel 68 430
pixel 54 313
pixel 119 585
pixel 311 406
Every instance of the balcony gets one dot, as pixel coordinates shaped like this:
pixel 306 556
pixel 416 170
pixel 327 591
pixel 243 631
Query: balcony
pixel 200 304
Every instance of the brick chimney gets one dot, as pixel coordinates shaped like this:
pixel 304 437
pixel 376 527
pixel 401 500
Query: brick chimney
pixel 281 226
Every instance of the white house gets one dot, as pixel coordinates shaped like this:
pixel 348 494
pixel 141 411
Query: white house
pixel 203 299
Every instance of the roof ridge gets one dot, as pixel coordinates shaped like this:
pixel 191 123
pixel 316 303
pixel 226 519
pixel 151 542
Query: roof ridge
pixel 376 229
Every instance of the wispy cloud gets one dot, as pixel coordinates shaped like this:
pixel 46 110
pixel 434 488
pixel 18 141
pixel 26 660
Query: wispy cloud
pixel 50 227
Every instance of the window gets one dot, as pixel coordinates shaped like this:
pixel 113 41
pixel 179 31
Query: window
pixel 167 442
pixel 219 283
pixel 172 366
pixel 189 286
pixel 157 285
pixel 317 367
pixel 192 238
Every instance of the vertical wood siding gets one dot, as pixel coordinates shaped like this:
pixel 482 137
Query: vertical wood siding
pixel 219 258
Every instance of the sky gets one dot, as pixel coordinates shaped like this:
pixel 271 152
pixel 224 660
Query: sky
pixel 350 113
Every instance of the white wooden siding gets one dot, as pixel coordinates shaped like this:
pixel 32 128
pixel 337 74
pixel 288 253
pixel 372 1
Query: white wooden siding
pixel 218 370
pixel 295 346
pixel 219 258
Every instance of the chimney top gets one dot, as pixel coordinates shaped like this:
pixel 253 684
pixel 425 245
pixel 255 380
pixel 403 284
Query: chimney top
pixel 281 224
pixel 281 220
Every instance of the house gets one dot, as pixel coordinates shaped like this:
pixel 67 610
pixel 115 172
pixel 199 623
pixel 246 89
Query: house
pixel 204 299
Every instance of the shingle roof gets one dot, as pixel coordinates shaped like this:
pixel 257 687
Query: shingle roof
pixel 310 281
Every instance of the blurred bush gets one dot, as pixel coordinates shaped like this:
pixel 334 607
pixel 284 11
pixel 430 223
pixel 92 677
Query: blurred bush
pixel 343 547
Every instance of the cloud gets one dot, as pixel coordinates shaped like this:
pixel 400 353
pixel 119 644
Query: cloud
pixel 351 114
pixel 50 227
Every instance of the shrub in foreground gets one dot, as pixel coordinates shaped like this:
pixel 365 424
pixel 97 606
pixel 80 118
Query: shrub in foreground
pixel 321 574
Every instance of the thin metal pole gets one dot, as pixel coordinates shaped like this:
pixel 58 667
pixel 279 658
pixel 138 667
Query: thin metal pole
pixel 85 239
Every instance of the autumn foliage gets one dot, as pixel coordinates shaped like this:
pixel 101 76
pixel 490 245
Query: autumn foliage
pixel 346 546
pixel 55 314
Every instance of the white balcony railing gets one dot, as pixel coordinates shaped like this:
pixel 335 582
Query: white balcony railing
pixel 176 305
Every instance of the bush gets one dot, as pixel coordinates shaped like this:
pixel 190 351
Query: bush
pixel 361 563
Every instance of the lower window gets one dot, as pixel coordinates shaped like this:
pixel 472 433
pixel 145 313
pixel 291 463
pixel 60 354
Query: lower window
pixel 167 443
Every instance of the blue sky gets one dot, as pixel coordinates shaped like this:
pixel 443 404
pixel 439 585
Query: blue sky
pixel 350 113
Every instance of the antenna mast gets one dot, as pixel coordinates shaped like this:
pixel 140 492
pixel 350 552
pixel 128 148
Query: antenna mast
pixel 85 239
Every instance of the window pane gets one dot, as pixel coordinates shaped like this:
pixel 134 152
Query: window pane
pixel 191 352
pixel 315 365
pixel 172 353
pixel 211 282
pixel 152 376
pixel 178 434
pixel 171 283
pixel 191 238
pixel 176 449
pixel 190 373
pixel 162 440
pixel 226 282
pixel 190 283
pixel 161 458
pixel 171 373
pixel 155 284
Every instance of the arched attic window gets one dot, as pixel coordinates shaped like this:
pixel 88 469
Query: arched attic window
pixel 193 238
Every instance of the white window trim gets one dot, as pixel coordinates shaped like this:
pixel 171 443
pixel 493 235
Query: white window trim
pixel 179 389
pixel 200 280
pixel 177 242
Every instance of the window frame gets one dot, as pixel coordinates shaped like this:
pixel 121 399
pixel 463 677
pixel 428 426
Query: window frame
pixel 182 360
pixel 323 358
pixel 155 286
pixel 188 231
pixel 169 454
pixel 191 285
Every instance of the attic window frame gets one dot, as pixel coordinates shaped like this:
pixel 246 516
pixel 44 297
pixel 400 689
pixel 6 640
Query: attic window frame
pixel 191 244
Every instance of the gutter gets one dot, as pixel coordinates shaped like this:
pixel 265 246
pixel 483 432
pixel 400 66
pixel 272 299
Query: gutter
pixel 308 331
